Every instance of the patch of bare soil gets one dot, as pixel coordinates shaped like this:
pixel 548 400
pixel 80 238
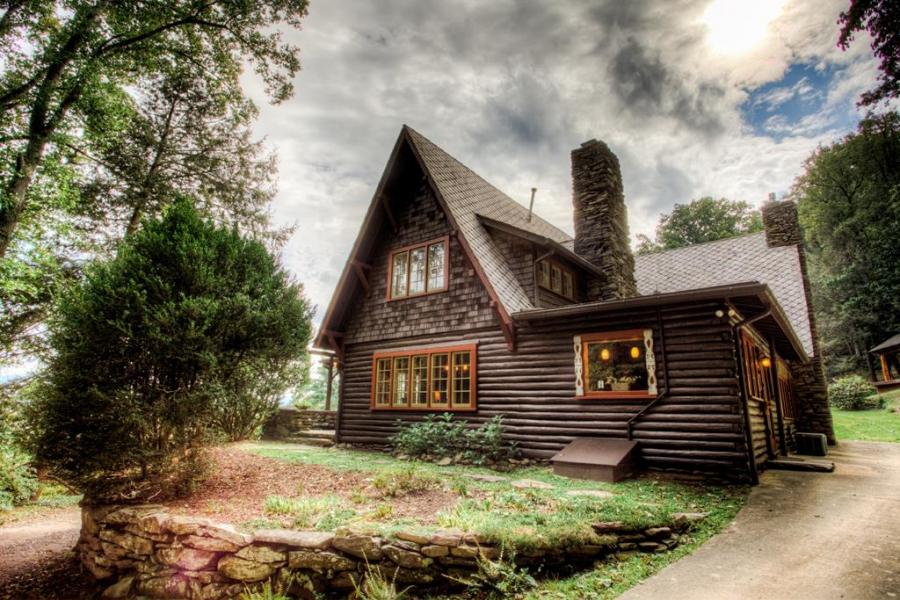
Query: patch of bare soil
pixel 239 483
pixel 36 558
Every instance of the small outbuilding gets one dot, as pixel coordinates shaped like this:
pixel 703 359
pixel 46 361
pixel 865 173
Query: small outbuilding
pixel 888 353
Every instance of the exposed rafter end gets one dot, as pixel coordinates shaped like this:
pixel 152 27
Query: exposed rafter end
pixel 360 269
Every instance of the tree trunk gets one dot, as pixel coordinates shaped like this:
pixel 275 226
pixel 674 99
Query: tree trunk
pixel 14 196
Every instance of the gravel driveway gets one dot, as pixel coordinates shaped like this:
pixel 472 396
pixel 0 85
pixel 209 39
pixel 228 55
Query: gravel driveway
pixel 802 536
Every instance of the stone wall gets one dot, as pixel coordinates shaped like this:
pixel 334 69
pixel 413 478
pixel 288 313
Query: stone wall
pixel 141 551
pixel 288 421
pixel 782 226
pixel 601 220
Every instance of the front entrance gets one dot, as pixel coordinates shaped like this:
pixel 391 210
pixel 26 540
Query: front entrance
pixel 762 394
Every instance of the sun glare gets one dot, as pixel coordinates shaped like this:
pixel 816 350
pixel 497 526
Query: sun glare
pixel 738 26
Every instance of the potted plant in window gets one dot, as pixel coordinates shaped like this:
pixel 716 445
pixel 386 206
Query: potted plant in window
pixel 623 383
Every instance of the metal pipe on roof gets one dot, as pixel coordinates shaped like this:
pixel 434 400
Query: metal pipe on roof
pixel 531 204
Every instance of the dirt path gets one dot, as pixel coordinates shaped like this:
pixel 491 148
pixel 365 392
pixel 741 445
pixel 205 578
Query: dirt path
pixel 802 536
pixel 26 545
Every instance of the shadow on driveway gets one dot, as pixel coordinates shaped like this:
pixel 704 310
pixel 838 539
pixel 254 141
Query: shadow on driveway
pixel 802 536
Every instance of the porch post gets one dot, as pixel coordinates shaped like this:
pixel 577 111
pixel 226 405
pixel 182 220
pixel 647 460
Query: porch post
pixel 328 383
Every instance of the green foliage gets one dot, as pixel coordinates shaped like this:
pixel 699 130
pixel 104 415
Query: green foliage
pixel 870 425
pixel 444 436
pixel 405 480
pixel 18 483
pixel 702 220
pixel 853 393
pixel 497 579
pixel 377 586
pixel 150 343
pixel 849 205
pixel 311 394
pixel 881 19
pixel 266 591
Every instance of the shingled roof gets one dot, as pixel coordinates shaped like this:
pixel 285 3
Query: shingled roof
pixel 731 261
pixel 467 195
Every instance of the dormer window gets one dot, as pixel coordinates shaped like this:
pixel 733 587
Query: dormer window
pixel 556 278
pixel 418 270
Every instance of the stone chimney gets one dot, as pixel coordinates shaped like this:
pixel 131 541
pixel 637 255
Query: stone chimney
pixel 781 223
pixel 601 220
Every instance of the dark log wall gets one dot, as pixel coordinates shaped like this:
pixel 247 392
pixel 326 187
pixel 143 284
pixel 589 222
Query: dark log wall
pixel 699 427
pixel 464 306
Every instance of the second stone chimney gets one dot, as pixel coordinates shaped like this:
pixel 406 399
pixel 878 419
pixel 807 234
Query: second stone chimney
pixel 601 220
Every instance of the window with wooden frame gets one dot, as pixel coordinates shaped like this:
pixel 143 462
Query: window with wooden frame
pixel 556 278
pixel 615 364
pixel 425 379
pixel 419 269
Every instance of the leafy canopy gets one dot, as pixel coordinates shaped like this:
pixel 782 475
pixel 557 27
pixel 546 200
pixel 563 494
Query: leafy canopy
pixel 702 220
pixel 152 347
pixel 881 19
pixel 849 205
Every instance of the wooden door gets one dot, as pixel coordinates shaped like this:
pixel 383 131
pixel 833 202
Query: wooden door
pixel 757 366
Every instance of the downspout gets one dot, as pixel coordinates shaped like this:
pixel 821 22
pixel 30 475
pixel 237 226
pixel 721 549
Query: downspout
pixel 629 426
pixel 739 359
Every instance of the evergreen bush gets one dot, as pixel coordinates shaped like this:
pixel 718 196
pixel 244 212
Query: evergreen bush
pixel 155 348
pixel 853 393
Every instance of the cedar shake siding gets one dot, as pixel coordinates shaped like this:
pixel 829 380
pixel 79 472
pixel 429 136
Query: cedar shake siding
pixel 698 427
pixel 464 306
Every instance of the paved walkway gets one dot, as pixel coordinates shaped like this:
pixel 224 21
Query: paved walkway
pixel 802 536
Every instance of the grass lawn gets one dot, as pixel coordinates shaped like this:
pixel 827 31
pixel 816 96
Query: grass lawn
pixel 555 511
pixel 881 425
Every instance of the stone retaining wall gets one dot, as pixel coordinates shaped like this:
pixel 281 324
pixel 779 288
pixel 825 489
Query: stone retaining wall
pixel 141 551
pixel 288 421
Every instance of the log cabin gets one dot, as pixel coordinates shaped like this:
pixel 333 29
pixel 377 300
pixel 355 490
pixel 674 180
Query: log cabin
pixel 456 298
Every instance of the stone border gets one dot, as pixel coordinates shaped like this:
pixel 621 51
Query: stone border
pixel 142 551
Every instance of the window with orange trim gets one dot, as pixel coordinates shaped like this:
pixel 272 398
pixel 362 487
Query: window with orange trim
pixel 418 270
pixel 615 364
pixel 425 379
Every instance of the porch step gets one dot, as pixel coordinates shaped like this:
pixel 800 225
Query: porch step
pixel 313 437
pixel 597 459
pixel 790 463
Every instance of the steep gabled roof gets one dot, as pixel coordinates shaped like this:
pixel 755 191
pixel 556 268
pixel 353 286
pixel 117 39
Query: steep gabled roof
pixel 731 261
pixel 464 195
pixel 467 195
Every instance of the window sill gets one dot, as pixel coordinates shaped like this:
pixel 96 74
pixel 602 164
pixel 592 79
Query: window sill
pixel 616 395
pixel 420 295
pixel 427 409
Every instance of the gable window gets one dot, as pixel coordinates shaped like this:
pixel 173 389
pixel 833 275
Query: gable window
pixel 615 364
pixel 556 278
pixel 424 379
pixel 418 270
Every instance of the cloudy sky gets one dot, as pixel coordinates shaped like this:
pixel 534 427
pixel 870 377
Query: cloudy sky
pixel 696 97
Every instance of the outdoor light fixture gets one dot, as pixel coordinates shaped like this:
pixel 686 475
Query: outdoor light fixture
pixel 720 313
pixel 635 352
pixel 766 362
pixel 604 354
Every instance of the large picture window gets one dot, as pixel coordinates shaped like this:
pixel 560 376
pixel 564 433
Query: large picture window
pixel 418 270
pixel 613 364
pixel 425 379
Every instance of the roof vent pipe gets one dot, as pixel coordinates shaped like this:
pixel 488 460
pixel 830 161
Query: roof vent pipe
pixel 771 196
pixel 531 204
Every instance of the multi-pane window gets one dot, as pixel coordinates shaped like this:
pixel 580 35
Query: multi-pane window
pixel 616 363
pixel 556 278
pixel 383 382
pixel 417 270
pixel 423 379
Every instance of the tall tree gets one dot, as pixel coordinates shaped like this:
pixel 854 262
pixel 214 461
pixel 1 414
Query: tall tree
pixel 63 59
pixel 881 18
pixel 849 203
pixel 702 220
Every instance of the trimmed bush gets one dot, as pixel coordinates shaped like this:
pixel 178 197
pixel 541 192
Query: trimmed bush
pixel 853 393
pixel 156 351
pixel 444 436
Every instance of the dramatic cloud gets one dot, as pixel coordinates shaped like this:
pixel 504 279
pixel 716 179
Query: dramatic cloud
pixel 510 87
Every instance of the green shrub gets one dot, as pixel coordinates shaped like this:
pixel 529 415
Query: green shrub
pixel 150 345
pixel 853 393
pixel 497 579
pixel 444 436
pixel 18 483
